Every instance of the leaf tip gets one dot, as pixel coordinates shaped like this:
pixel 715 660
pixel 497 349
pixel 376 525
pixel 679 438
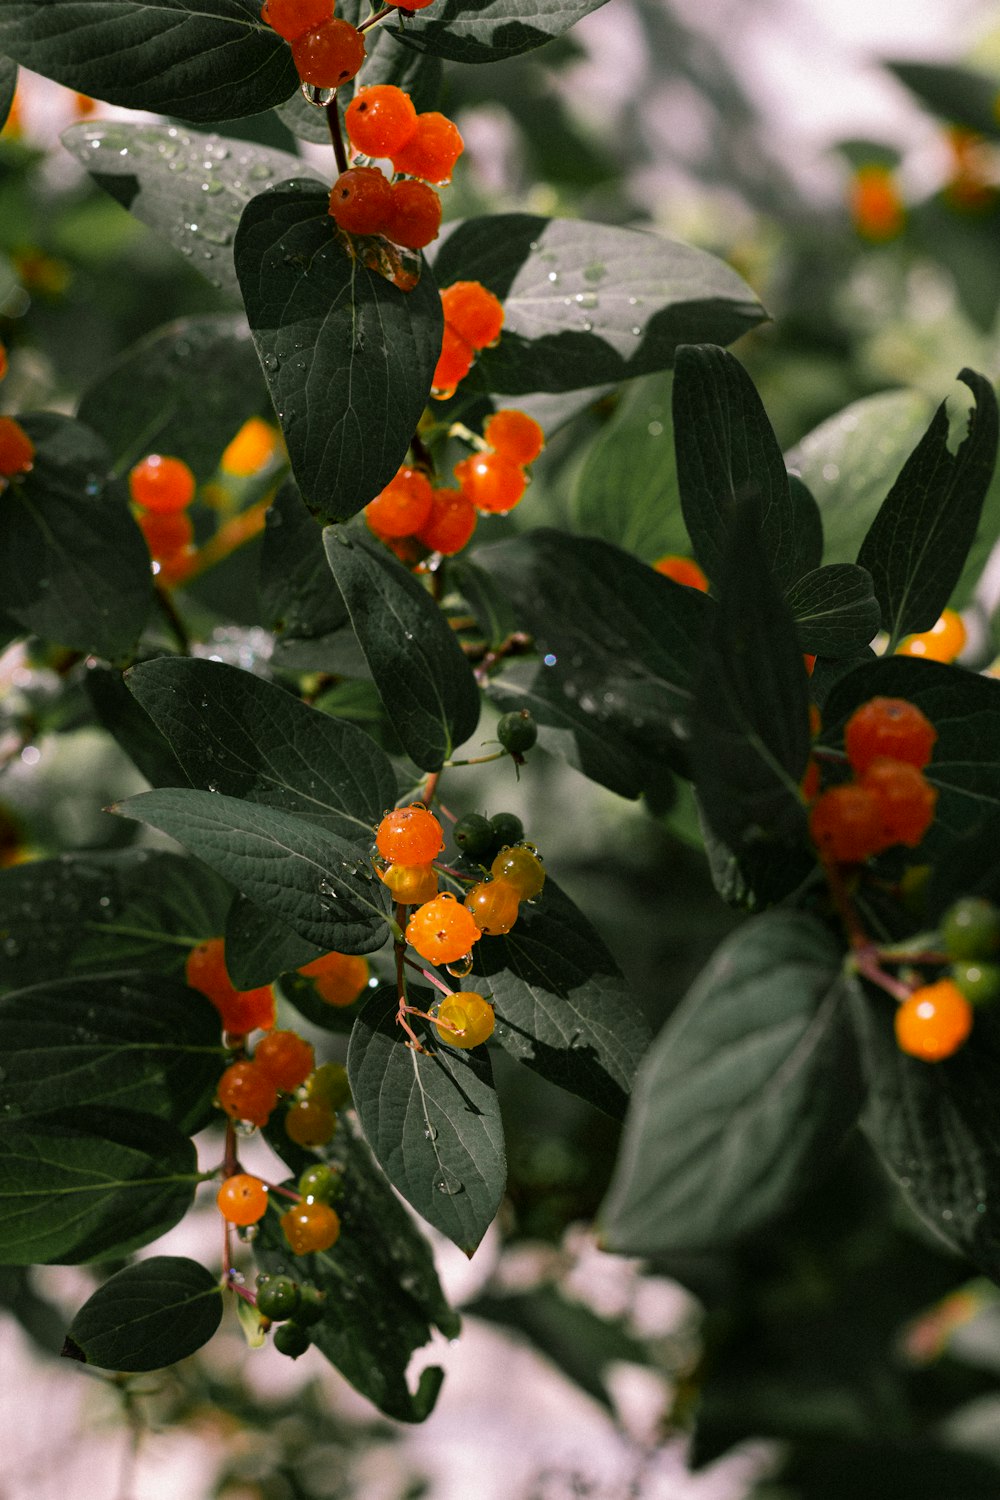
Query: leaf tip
pixel 71 1350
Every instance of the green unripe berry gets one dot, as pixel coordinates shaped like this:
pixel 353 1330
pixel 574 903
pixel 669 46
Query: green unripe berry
pixel 971 928
pixel 321 1182
pixel 474 835
pixel 311 1307
pixel 979 982
pixel 291 1339
pixel 517 732
pixel 507 829
pixel 328 1085
pixel 278 1297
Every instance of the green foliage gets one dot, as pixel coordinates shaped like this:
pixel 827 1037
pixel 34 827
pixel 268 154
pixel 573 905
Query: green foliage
pixel 146 1316
pixel 493 29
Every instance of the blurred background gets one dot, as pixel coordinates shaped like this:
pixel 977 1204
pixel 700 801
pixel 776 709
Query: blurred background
pixel 842 1354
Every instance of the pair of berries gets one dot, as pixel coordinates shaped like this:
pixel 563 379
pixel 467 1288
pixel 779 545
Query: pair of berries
pixel 241 1011
pixel 495 480
pixel 409 839
pixel 441 520
pixel 163 488
pixel 480 838
pixel 326 50
pixel 473 318
pixel 311 1119
pixel 888 743
pixel 970 933
pixel 249 1089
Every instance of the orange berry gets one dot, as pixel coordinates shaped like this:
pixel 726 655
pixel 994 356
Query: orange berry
pixel 161 484
pixel 414 215
pixel 906 799
pixel 166 532
pixel 177 568
pixel 473 312
pixel 310 1122
pixel 943 642
pixel 409 836
pixel 441 930
pixel 875 204
pixel 329 54
pixel 403 506
pixel 450 524
pixel 846 824
pixel 514 434
pixel 520 867
pixel 241 1011
pixel 337 978
pixel 454 362
pixel 286 1058
pixel 934 1021
pixel 17 451
pixel 465 1019
pixel 310 1227
pixel 682 570
pixel 411 885
pixel 810 783
pixel 491 481
pixel 293 18
pixel 242 1199
pixel 888 727
pixel 251 449
pixel 380 120
pixel 360 200
pixel 431 151
pixel 246 1093
pixel 815 720
pixel 494 906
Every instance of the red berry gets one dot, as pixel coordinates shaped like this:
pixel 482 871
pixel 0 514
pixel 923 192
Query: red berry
pixel 414 215
pixel 473 312
pixel 337 978
pixel 890 727
pixel 810 783
pixel 846 824
pixel 246 1093
pixel 241 1011
pixel 403 506
pixel 451 523
pixel 166 532
pixel 310 1122
pixel 17 451
pixel 380 120
pixel 454 362
pixel 411 885
pixel 409 836
pixel 441 930
pixel 293 18
pixel 360 200
pixel 465 1019
pixel 682 570
pixel 431 151
pixel 494 906
pixel 330 54
pixel 934 1021
pixel 310 1227
pixel 286 1058
pixel 492 482
pixel 242 1199
pixel 516 435
pixel 161 484
pixel 906 799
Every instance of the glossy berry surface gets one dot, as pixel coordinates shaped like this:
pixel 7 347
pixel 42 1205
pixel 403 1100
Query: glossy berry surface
pixel 517 731
pixel 521 868
pixel 454 362
pixel 978 980
pixel 943 642
pixel 403 506
pixel 251 449
pixel 934 1021
pixel 906 800
pixel 468 1020
pixel 970 928
pixel 682 570
pixel 514 434
pixel 338 978
pixel 329 1085
pixel 242 1199
pixel 474 835
pixel 17 451
pixel 309 1227
pixel 494 906
pixel 312 1305
pixel 245 1093
pixel 310 1122
pixel 492 482
pixel 890 727
pixel 473 312
pixel 431 152
pixel 286 1058
pixel 320 1181
pixel 411 885
pixel 451 522
pixel 241 1011
pixel 409 836
pixel 361 200
pixel 442 931
pixel 278 1297
pixel 414 215
pixel 293 18
pixel 507 829
pixel 846 824
pixel 330 54
pixel 291 1340
pixel 380 120
pixel 161 483
pixel 166 532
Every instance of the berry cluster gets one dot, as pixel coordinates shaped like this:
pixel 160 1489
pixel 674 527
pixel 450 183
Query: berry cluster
pixel 17 451
pixel 326 50
pixel 294 1305
pixel 163 488
pixel 249 1088
pixel 890 801
pixel 970 932
pixel 408 840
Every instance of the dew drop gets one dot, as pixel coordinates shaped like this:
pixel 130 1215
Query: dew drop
pixel 636 330
pixel 450 1186
pixel 245 1128
pixel 271 362
pixel 430 1134
pixel 461 967
pixel 553 276
pixel 317 96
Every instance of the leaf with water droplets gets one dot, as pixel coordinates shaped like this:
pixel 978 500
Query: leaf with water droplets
pixel 432 1119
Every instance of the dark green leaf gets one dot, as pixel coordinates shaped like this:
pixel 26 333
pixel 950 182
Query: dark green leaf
pixel 835 610
pixel 492 608
pixel 119 713
pixel 478 31
pixel 742 1097
pixel 917 544
pixel 562 1005
pixel 73 564
pixel 296 871
pixel 297 594
pixel 961 96
pixel 431 1118
pixel 427 686
pixel 382 1292
pixel 259 948
pixel 727 455
pixel 216 62
pixel 348 357
pixel 8 87
pixel 94 913
pixel 88 1184
pixel 751 719
pixel 586 303
pixel 184 390
pixel 237 734
pixel 147 1316
pixel 189 188
pixel 146 1044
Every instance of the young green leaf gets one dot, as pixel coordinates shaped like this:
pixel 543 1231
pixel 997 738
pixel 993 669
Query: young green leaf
pixel 347 356
pixel 835 610
pixel 917 544
pixel 491 29
pixel 147 1316
pixel 744 1095
pixel 427 686
pixel 432 1119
